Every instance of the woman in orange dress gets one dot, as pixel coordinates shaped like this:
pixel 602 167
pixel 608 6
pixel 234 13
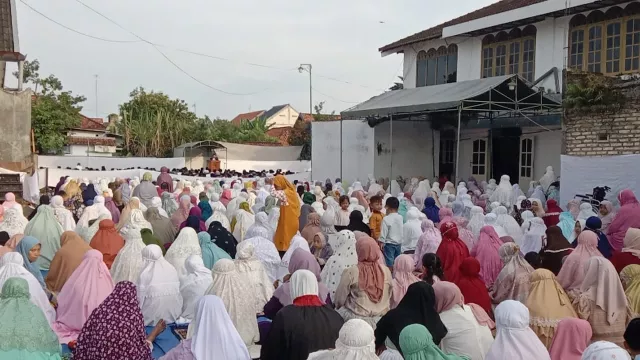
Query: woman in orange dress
pixel 289 214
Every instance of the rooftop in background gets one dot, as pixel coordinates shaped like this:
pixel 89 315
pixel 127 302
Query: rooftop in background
pixel 269 113
pixel 92 124
pixel 436 31
pixel 306 117
pixel 246 116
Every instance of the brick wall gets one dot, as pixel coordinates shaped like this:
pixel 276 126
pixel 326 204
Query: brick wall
pixel 605 134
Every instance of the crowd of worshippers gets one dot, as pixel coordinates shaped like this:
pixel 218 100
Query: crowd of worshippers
pixel 269 269
pixel 202 172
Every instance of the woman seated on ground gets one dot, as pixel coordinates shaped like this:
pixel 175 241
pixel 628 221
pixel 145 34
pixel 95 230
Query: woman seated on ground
pixel 158 288
pixel 554 250
pixel 468 326
pixel 594 224
pixel 252 270
pixel 630 253
pixel 570 340
pixel 418 306
pixel 214 335
pixel 471 285
pixel 236 294
pixel 300 260
pixel 305 326
pixel 115 329
pixel 402 277
pixel 573 268
pixel 416 341
pixel 514 338
pixel 26 331
pixel 602 302
pixel 66 260
pixel 85 290
pixel 128 263
pixel 354 342
pixel 431 269
pixel 512 282
pixel 242 220
pixel 193 285
pixel 364 291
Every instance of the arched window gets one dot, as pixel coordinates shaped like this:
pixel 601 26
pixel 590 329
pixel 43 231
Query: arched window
pixel 510 52
pixel 606 42
pixel 437 66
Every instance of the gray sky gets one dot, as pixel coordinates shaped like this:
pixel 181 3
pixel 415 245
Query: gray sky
pixel 340 38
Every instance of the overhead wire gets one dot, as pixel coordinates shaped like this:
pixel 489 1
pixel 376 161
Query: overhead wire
pixel 215 57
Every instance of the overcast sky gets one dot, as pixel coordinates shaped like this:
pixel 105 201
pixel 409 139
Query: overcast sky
pixel 340 38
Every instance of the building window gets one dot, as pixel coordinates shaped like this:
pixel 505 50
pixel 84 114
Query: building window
pixel 447 151
pixel 436 67
pixel 479 156
pixel 526 157
pixel 510 53
pixel 608 42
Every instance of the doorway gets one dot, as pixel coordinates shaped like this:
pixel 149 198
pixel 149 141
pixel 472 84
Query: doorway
pixel 447 154
pixel 505 151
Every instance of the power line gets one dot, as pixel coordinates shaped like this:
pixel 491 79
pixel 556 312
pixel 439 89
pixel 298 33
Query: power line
pixel 336 99
pixel 184 50
pixel 74 30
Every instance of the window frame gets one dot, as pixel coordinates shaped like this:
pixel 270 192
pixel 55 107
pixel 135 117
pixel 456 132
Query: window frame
pixel 586 27
pixel 434 57
pixel 507 67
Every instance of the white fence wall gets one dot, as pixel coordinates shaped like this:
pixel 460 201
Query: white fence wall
pixel 356 156
pixel 109 162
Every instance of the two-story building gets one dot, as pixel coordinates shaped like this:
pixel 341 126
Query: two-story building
pixel 91 138
pixel 482 92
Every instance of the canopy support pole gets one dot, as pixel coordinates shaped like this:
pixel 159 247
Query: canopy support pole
pixel 391 152
pixel 458 143
pixel 341 153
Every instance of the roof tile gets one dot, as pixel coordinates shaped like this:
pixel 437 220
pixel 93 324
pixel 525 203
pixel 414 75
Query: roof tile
pixel 246 116
pixel 436 31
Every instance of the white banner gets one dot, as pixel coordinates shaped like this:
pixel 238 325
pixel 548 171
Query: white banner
pixel 580 174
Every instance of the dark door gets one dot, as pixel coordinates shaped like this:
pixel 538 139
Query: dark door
pixel 505 150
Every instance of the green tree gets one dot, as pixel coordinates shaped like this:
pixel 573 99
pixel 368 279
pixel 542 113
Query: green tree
pixel 53 110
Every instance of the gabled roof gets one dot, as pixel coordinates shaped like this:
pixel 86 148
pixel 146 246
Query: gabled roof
pixel 246 116
pixel 274 110
pixel 92 123
pixel 436 31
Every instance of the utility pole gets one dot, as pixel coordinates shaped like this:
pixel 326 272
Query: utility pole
pixel 307 68
pixel 96 76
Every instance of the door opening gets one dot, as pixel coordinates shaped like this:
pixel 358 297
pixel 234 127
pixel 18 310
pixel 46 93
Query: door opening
pixel 447 154
pixel 505 151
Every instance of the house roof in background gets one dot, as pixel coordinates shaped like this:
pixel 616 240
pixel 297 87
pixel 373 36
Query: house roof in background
pixel 246 116
pixel 274 110
pixel 281 133
pixel 88 123
pixel 78 140
pixel 436 31
pixel 306 117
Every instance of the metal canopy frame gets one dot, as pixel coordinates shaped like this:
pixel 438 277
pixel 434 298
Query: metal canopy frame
pixel 514 97
pixel 201 144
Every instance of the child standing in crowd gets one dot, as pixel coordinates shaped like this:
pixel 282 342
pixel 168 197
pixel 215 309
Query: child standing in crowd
pixel 375 221
pixel 343 219
pixel 391 233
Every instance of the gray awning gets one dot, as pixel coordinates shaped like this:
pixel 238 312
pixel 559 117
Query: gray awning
pixel 504 92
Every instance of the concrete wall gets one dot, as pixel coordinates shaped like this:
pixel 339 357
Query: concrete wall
pixel 15 123
pixel 81 150
pixel 325 150
pixel 412 152
pixel 108 162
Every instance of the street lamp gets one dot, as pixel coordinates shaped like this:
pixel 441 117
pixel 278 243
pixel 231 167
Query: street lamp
pixel 307 68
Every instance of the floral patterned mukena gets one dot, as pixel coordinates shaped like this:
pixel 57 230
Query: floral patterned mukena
pixel 115 330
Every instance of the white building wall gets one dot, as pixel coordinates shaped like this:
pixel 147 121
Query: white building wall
pixel 415 150
pixel 551 43
pixel 325 150
pixel 81 150
pixel 284 117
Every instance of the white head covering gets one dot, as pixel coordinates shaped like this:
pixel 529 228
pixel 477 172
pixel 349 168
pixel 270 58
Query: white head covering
pixel 412 230
pixel 503 192
pixel 128 263
pixel 356 341
pixel 526 216
pixel 477 221
pixel 532 187
pixel 274 217
pixel 444 198
pixel 297 242
pixel 214 334
pixel 93 212
pixel 605 350
pixel 516 193
pixel 93 229
pixel 435 187
pixel 244 220
pixel 420 194
pixel 236 295
pixel 193 285
pixel 508 223
pixel 63 215
pixel 220 217
pixel 251 270
pixel 317 207
pixel 394 188
pixel 539 195
pixel 13 222
pixel 586 211
pixel 344 256
pixel 186 244
pixel 158 288
pixel 303 282
pixel 548 177
pixel 136 220
pixel 532 239
pixel 216 204
pixel 492 220
pixel 12 265
pixel 156 202
pixel 267 253
pixel 514 338
pixel 260 227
